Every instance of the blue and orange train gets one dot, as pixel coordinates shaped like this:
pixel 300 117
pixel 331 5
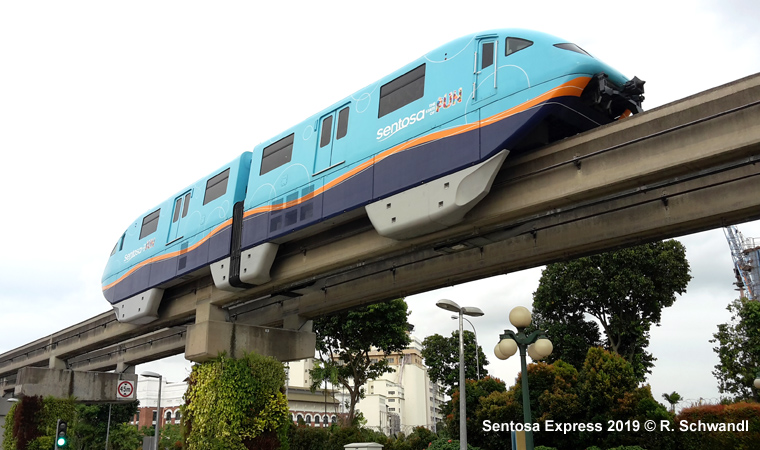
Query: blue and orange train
pixel 414 151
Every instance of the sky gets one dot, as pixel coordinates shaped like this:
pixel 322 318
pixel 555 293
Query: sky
pixel 108 108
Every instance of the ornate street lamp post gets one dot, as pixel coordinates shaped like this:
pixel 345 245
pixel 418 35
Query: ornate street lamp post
pixel 450 305
pixel 535 344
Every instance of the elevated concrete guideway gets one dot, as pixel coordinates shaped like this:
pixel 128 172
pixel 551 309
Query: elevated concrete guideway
pixel 685 167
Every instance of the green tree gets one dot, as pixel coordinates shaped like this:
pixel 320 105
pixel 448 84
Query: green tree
pixel 476 390
pixel 605 389
pixel 345 341
pixel 625 291
pixel 739 350
pixel 89 430
pixel 441 356
pixel 170 436
pixel 124 437
pixel 673 399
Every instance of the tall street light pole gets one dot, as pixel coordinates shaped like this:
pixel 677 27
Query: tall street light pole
pixel 158 406
pixel 477 351
pixel 450 305
pixel 535 344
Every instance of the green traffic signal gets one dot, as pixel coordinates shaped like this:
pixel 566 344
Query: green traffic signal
pixel 60 429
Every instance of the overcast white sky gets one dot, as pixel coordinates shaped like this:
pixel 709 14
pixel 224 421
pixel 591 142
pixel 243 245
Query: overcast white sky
pixel 107 108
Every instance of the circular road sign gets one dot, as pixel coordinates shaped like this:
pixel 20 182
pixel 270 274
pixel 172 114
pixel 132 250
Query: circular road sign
pixel 125 390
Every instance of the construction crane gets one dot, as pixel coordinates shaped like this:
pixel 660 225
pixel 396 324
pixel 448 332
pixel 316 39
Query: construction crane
pixel 746 256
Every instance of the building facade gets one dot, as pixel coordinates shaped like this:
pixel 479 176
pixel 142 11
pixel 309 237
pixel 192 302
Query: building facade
pixel 172 397
pixel 398 401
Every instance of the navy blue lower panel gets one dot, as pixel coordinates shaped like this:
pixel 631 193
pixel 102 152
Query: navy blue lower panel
pixel 425 162
pixel 352 193
pixel 160 272
pixel 218 248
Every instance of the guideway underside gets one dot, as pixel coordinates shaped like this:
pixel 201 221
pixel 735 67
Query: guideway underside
pixel 682 168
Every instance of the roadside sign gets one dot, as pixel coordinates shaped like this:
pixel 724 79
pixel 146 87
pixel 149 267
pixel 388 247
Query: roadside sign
pixel 126 390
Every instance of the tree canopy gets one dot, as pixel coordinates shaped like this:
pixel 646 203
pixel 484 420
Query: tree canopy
pixel 738 350
pixel 624 290
pixel 345 341
pixel 603 390
pixel 442 359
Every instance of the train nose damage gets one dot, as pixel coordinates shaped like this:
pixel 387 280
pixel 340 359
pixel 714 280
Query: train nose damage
pixel 612 100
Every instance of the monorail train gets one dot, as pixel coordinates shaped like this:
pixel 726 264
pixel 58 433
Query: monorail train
pixel 414 151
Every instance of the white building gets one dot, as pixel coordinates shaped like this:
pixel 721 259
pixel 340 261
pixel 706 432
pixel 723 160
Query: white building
pixel 172 394
pixel 400 400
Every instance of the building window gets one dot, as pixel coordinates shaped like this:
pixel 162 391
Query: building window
pixel 393 392
pixel 335 418
pixel 216 186
pixel 178 416
pixel 150 223
pixel 402 91
pixel 317 419
pixel 300 418
pixel 277 154
pixel 308 418
pixel 391 400
pixel 391 409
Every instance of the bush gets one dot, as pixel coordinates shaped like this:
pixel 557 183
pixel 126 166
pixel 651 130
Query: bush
pixel 721 414
pixel 448 444
pixel 247 393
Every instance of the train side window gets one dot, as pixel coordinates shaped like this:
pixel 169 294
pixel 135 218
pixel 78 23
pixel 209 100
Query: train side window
pixel 216 186
pixel 572 48
pixel 150 223
pixel 187 203
pixel 176 210
pixel 119 245
pixel 342 122
pixel 487 55
pixel 402 91
pixel 514 45
pixel 277 154
pixel 326 131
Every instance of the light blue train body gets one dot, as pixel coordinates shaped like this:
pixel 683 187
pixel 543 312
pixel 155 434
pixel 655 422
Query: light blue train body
pixel 414 151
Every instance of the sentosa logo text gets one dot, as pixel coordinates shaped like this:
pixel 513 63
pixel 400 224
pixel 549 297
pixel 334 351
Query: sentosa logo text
pixel 134 253
pixel 390 130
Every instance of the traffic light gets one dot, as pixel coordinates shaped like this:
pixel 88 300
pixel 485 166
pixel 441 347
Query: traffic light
pixel 61 440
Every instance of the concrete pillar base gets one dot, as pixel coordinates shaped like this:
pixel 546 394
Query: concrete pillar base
pixel 88 387
pixel 206 340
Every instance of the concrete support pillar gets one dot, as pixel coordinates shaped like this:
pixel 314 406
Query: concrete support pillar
pixel 122 367
pixel 206 311
pixel 208 339
pixel 90 387
pixel 296 322
pixel 56 363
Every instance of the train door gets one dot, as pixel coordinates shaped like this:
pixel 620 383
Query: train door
pixel 486 66
pixel 331 147
pixel 181 205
